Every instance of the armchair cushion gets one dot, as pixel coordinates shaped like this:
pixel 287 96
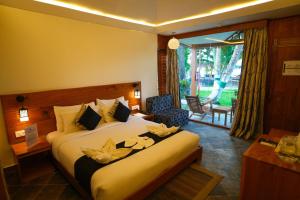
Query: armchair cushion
pixel 164 112
pixel 158 104
pixel 172 117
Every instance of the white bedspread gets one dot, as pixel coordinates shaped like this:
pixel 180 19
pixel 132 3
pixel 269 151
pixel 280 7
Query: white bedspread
pixel 123 178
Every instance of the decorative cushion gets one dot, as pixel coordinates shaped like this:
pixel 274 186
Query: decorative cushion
pixel 89 119
pixel 108 107
pixel 122 113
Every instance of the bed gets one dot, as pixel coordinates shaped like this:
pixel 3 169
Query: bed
pixel 133 177
pixel 122 179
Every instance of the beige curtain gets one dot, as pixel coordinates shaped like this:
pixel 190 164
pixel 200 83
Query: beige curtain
pixel 248 121
pixel 172 85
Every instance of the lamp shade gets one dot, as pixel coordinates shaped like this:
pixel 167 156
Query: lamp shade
pixel 23 114
pixel 137 93
pixel 173 43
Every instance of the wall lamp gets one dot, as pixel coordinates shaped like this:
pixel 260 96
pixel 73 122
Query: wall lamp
pixel 22 111
pixel 137 92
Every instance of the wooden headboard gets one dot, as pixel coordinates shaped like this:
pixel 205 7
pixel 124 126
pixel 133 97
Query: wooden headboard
pixel 40 105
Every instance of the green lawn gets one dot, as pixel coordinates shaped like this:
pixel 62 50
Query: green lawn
pixel 226 96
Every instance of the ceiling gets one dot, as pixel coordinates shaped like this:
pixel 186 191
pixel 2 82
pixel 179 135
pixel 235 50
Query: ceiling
pixel 162 16
pixel 204 39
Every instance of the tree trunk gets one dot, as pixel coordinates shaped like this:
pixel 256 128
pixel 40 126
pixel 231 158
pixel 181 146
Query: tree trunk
pixel 217 67
pixel 225 77
pixel 198 70
pixel 193 72
pixel 217 63
pixel 181 62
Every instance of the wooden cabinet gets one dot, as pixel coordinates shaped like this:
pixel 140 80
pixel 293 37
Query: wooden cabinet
pixel 266 177
pixel 32 162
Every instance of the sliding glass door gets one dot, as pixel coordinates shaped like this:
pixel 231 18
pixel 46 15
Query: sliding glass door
pixel 210 68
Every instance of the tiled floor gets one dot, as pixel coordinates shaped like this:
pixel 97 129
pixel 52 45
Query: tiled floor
pixel 222 154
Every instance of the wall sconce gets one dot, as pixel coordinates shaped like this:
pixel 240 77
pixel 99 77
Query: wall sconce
pixel 22 111
pixel 137 92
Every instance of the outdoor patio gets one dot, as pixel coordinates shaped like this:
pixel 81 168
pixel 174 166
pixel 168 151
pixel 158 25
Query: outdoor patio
pixel 208 118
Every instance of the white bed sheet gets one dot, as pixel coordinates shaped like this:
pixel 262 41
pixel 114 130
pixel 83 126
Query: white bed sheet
pixel 121 179
pixel 52 135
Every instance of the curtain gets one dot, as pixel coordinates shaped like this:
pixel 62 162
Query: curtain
pixel 248 121
pixel 172 73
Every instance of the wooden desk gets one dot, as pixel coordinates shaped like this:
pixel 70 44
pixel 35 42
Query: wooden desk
pixel 32 162
pixel 265 177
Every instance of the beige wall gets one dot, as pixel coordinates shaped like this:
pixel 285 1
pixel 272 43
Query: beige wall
pixel 43 52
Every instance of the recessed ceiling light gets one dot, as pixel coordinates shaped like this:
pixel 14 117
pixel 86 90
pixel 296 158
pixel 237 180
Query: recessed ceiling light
pixel 130 20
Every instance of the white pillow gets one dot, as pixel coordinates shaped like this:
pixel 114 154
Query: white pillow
pixel 109 102
pixel 106 106
pixel 58 110
pixel 69 123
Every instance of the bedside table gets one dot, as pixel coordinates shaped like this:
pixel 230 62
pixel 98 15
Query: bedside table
pixel 149 117
pixel 32 162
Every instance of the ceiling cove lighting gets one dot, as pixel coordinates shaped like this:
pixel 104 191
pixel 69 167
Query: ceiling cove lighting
pixel 94 12
pixel 130 20
pixel 226 42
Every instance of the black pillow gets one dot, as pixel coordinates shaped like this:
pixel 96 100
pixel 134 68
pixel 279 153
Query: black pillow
pixel 89 119
pixel 122 113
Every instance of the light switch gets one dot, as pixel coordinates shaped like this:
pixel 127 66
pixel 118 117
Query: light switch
pixel 20 133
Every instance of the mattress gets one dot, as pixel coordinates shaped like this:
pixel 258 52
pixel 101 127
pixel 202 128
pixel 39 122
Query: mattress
pixel 123 178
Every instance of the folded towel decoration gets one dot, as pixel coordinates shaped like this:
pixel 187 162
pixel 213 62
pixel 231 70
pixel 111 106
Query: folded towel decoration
pixel 107 153
pixel 162 130
pixel 139 142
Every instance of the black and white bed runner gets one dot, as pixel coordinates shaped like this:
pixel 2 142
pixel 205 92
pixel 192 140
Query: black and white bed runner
pixel 85 167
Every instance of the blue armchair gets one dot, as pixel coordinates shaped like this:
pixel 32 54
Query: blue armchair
pixel 164 111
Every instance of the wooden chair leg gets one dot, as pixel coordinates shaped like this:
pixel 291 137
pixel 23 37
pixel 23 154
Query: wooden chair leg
pixel 225 119
pixel 213 118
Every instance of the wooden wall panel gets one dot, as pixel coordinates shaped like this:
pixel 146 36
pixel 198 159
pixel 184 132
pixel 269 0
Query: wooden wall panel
pixel 40 105
pixel 282 108
pixel 162 42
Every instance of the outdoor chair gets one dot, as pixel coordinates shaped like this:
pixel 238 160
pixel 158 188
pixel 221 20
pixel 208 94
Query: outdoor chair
pixel 197 107
pixel 164 111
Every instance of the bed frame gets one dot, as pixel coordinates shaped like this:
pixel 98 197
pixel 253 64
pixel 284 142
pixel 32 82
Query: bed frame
pixel 195 156
pixel 40 109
